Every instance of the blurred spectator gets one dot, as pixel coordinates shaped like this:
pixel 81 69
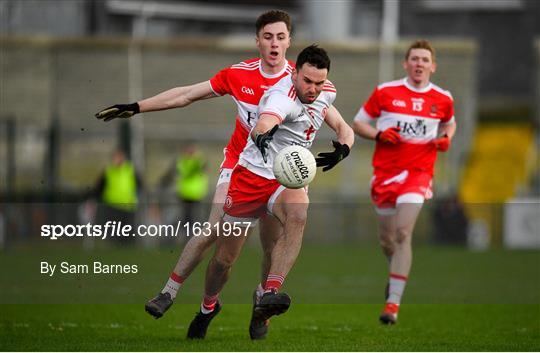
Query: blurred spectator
pixel 191 181
pixel 118 189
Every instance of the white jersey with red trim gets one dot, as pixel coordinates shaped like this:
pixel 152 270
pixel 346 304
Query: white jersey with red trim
pixel 299 123
pixel 418 113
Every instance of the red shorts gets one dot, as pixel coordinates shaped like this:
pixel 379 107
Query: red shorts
pixel 236 145
pixel 387 189
pixel 249 194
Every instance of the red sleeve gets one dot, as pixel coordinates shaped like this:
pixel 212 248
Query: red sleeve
pixel 450 112
pixel 372 106
pixel 220 82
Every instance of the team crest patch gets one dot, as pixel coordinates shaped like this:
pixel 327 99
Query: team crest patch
pixel 228 201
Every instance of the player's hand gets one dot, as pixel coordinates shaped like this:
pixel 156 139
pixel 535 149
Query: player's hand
pixel 329 159
pixel 442 143
pixel 263 140
pixel 122 111
pixel 390 135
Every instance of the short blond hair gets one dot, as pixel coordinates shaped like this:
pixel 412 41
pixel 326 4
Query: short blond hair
pixel 421 44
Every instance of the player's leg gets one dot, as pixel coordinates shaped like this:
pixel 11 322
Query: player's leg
pixel 196 247
pixel 191 256
pixel 270 230
pixel 400 265
pixel 386 221
pixel 387 232
pixel 228 248
pixel 290 207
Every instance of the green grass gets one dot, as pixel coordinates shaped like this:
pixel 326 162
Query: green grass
pixel 455 301
pixel 305 327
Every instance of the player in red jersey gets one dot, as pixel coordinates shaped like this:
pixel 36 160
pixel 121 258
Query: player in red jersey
pixel 245 82
pixel 414 119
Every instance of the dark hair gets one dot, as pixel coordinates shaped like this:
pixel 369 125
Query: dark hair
pixel 315 56
pixel 273 16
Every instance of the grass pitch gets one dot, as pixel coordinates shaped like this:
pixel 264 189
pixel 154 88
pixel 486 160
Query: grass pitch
pixel 455 301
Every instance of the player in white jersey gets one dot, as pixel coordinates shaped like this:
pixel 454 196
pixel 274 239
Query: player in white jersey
pixel 246 83
pixel 290 113
pixel 415 119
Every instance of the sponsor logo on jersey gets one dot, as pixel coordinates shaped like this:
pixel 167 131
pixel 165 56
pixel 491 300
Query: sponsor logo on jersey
pixel 399 103
pixel 416 129
pixel 417 104
pixel 248 90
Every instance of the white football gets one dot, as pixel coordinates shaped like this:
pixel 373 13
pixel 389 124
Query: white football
pixel 294 167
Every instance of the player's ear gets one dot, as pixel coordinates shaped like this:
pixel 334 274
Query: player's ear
pixel 433 67
pixel 257 41
pixel 404 65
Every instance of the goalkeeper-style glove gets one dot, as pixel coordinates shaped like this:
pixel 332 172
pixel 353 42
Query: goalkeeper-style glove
pixel 390 135
pixel 329 159
pixel 122 111
pixel 442 143
pixel 263 140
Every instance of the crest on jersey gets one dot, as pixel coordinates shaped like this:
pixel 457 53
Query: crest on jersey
pixel 417 104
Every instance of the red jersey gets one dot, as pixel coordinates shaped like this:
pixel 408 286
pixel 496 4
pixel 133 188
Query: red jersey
pixel 245 82
pixel 418 113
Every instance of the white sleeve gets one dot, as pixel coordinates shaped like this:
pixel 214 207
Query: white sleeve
pixel 451 121
pixel 363 116
pixel 277 104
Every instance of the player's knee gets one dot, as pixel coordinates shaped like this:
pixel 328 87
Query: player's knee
pixel 403 235
pixel 223 262
pixel 297 217
pixel 386 243
pixel 221 265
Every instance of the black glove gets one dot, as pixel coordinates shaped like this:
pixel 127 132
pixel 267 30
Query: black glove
pixel 122 111
pixel 263 140
pixel 329 159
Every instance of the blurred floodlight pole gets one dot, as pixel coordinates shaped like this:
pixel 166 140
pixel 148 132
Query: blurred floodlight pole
pixel 389 37
pixel 135 81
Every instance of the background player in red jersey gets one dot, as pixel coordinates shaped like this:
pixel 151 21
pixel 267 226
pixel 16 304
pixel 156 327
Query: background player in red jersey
pixel 245 82
pixel 414 119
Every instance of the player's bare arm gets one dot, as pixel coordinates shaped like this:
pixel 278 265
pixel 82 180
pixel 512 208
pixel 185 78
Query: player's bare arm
pixel 447 129
pixel 342 146
pixel 364 129
pixel 263 132
pixel 266 123
pixel 177 97
pixel 334 119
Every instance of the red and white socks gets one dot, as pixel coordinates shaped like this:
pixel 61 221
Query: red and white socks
pixel 173 285
pixel 273 282
pixel 209 303
pixel 396 286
